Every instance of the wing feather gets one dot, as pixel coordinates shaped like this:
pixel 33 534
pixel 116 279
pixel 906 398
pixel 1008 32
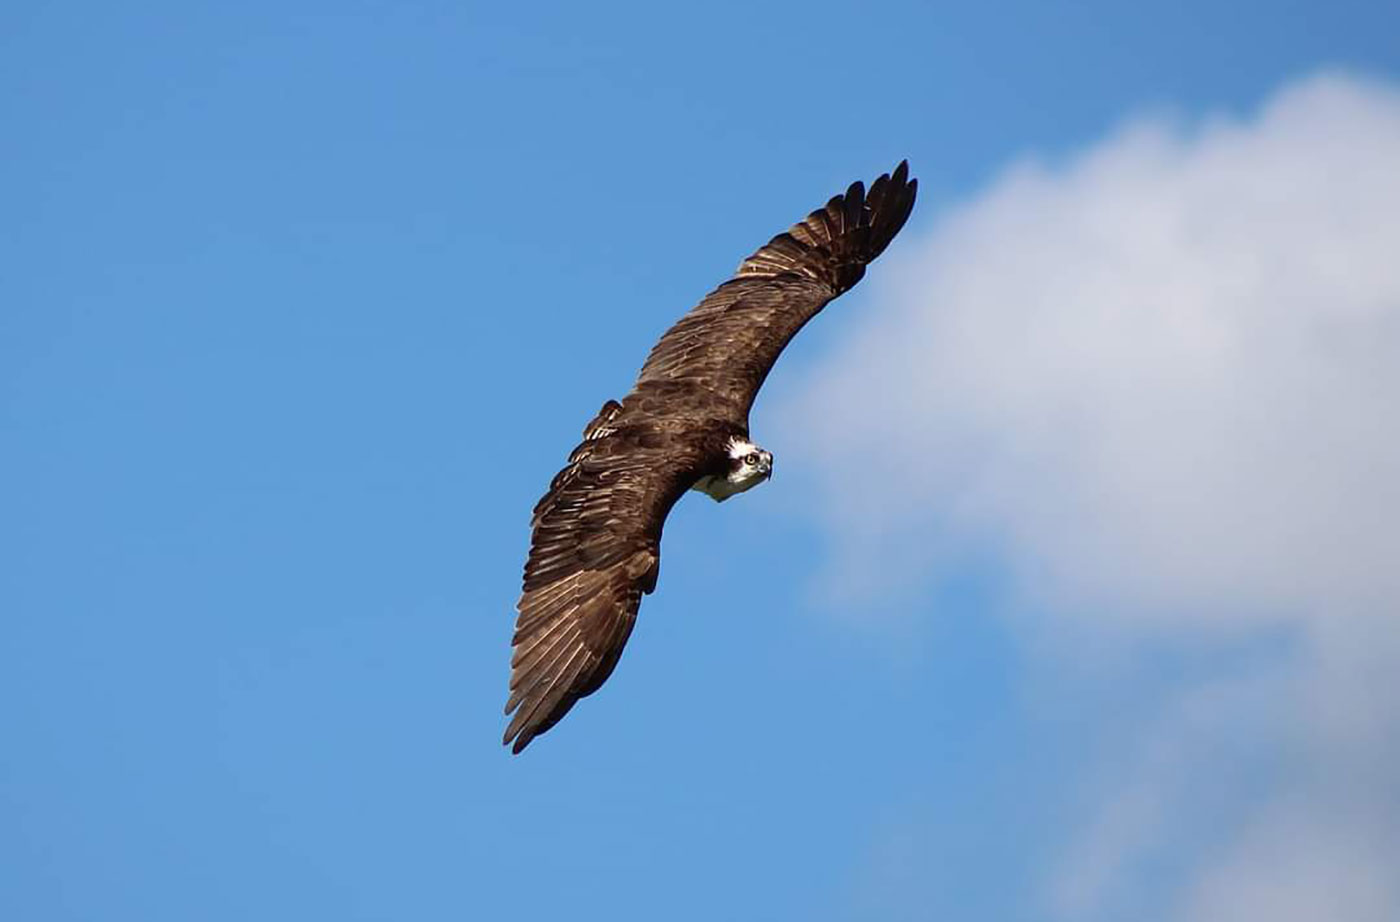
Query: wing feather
pixel 727 344
pixel 594 553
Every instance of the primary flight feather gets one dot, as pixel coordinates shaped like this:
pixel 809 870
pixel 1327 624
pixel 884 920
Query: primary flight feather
pixel 596 534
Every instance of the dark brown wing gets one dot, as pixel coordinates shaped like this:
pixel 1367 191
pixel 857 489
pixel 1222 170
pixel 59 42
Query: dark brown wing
pixel 594 552
pixel 728 343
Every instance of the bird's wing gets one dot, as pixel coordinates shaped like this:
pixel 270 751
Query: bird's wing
pixel 594 552
pixel 729 341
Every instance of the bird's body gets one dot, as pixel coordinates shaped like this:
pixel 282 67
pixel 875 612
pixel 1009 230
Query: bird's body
pixel 596 534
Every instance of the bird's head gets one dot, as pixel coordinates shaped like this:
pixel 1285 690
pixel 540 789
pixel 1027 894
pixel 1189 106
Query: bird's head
pixel 749 465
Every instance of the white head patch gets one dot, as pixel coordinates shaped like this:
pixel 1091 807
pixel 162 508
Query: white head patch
pixel 738 448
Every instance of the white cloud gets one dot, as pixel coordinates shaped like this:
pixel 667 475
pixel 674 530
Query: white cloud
pixel 1302 868
pixel 1275 790
pixel 1161 382
pixel 1161 377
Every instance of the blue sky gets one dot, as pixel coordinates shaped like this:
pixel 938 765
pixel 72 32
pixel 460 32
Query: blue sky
pixel 304 305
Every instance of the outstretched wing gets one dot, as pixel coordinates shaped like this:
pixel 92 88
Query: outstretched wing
pixel 594 552
pixel 728 343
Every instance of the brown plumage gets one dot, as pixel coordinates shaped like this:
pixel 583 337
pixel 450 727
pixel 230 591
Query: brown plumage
pixel 596 535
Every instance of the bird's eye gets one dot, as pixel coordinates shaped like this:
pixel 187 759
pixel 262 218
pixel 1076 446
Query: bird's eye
pixel 751 459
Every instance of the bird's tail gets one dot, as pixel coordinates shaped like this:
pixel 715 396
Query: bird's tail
pixel 834 244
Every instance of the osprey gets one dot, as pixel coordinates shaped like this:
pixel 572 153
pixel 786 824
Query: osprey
pixel 596 535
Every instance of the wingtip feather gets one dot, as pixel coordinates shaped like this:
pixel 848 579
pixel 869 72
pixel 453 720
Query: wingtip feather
pixel 836 242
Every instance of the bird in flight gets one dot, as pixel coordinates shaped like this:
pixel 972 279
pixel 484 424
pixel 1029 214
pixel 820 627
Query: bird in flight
pixel 595 539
